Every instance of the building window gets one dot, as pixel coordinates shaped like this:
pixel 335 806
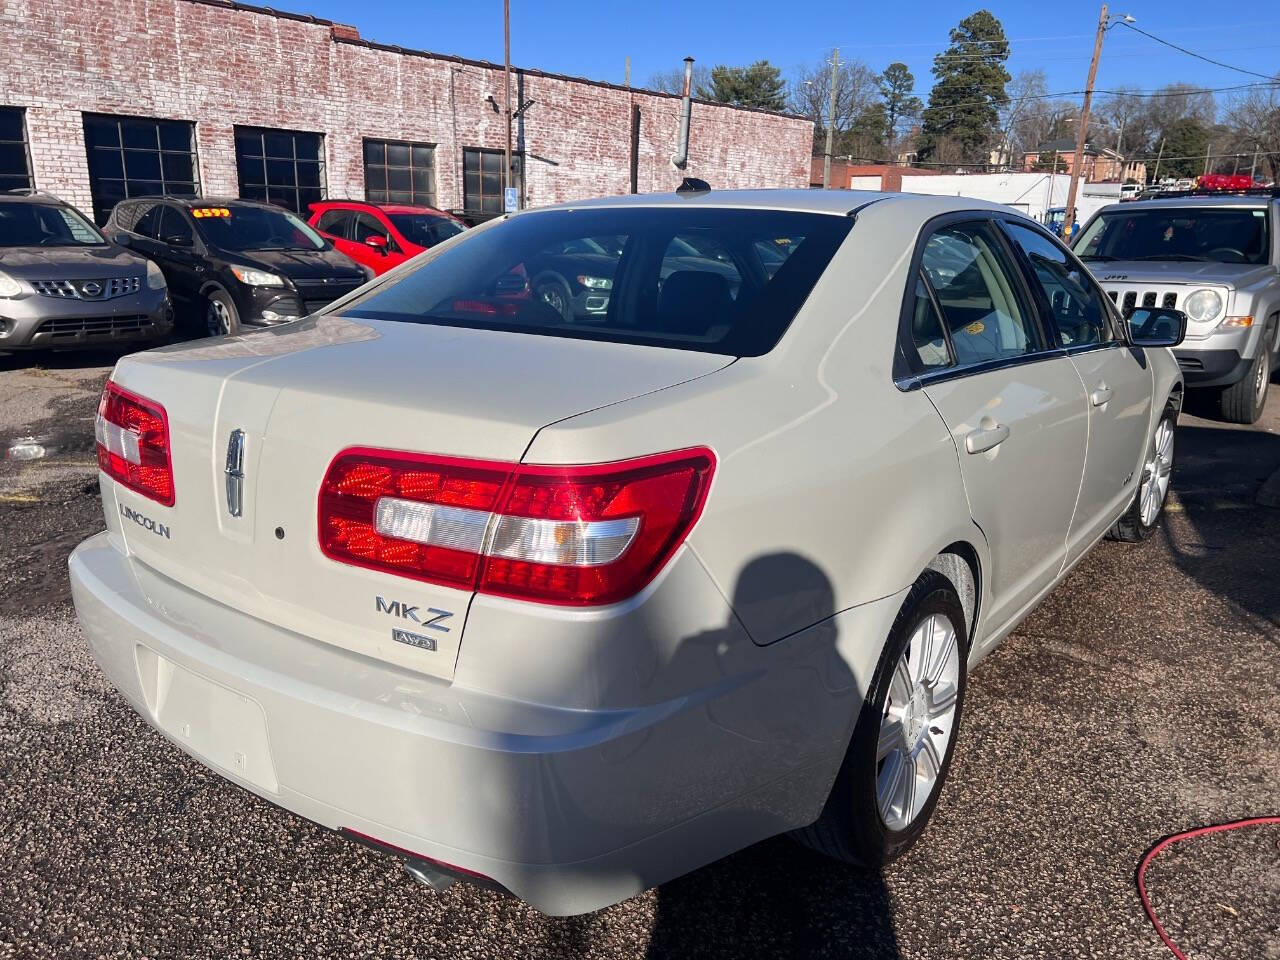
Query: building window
pixel 15 163
pixel 138 157
pixel 284 167
pixel 399 172
pixel 482 179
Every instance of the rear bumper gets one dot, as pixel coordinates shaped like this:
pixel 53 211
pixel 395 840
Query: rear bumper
pixel 569 809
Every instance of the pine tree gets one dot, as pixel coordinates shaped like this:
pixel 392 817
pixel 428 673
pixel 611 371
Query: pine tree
pixel 897 87
pixel 969 87
pixel 758 85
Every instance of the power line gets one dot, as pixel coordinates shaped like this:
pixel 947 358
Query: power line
pixel 1192 53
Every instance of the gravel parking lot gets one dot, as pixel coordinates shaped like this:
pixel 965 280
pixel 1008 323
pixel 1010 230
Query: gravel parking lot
pixel 1141 699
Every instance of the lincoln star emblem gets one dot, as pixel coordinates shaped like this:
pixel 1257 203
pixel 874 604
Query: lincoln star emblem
pixel 235 473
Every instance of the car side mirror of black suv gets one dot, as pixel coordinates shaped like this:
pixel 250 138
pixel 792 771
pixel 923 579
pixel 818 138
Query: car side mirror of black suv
pixel 1157 326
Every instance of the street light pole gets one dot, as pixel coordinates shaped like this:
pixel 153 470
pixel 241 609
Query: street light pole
pixel 831 119
pixel 1069 216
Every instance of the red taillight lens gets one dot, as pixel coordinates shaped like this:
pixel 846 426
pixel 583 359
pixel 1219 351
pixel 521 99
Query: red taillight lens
pixel 133 443
pixel 565 534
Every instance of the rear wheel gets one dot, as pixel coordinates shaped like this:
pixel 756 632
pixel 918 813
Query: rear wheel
pixel 1139 521
pixel 221 317
pixel 554 292
pixel 1243 402
pixel 901 748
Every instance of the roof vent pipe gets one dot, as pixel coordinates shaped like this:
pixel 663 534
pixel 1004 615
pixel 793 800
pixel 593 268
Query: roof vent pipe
pixel 686 108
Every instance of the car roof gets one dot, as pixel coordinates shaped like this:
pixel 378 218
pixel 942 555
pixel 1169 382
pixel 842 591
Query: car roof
pixel 1256 201
pixel 370 205
pixel 834 202
pixel 47 199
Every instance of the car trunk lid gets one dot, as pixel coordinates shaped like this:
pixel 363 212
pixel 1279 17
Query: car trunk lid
pixel 258 419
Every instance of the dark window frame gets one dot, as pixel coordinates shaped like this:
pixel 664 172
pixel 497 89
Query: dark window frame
pixel 168 186
pixel 25 143
pixel 517 170
pixel 269 191
pixel 386 166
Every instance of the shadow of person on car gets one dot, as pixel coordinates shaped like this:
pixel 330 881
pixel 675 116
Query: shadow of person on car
pixel 777 898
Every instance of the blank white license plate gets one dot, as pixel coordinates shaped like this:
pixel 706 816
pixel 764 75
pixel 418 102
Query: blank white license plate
pixel 225 729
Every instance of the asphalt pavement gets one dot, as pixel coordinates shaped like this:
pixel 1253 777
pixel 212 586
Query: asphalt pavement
pixel 1142 698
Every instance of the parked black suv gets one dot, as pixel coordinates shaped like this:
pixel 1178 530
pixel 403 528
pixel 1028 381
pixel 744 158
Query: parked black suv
pixel 237 262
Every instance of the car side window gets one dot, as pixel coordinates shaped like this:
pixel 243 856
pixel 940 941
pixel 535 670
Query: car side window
pixel 367 226
pixel 174 228
pixel 1076 302
pixel 974 286
pixel 926 329
pixel 334 222
pixel 148 224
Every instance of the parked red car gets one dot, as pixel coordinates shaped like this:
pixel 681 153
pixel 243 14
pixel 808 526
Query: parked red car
pixel 382 235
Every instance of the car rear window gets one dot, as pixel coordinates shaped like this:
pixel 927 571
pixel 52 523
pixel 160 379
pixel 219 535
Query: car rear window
pixel 714 280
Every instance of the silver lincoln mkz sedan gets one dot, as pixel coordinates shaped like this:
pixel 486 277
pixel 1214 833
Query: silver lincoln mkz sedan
pixel 572 605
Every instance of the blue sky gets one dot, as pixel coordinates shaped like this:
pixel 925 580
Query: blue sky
pixel 593 39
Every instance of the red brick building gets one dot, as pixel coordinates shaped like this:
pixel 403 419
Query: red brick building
pixel 865 176
pixel 106 98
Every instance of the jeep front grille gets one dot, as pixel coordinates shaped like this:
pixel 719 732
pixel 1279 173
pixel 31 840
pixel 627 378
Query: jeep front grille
pixel 107 289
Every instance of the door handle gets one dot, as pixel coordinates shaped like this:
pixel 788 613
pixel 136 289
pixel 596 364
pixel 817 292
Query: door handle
pixel 987 438
pixel 1101 395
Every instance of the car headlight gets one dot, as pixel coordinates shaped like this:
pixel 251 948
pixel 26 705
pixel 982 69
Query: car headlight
pixel 596 283
pixel 1203 305
pixel 9 287
pixel 155 278
pixel 257 278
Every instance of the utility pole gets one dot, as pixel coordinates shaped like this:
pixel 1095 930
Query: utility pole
pixel 1155 177
pixel 1253 168
pixel 1069 216
pixel 831 118
pixel 1206 159
pixel 506 83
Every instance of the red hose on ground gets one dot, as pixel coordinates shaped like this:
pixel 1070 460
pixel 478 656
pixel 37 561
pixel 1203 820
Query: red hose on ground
pixel 1176 838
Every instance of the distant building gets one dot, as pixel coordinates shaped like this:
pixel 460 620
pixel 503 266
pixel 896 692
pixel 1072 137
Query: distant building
pixel 106 99
pixel 866 176
pixel 1098 164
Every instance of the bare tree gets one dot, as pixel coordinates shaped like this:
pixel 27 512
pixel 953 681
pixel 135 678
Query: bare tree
pixel 1128 116
pixel 1254 119
pixel 672 81
pixel 857 91
pixel 1025 98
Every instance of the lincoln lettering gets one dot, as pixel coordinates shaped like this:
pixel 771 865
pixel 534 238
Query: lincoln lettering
pixel 159 529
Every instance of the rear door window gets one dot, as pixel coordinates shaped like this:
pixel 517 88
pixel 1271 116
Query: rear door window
pixel 687 278
pixel 334 222
pixel 974 285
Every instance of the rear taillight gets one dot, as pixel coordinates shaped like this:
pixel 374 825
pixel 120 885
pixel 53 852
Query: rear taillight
pixel 133 443
pixel 579 535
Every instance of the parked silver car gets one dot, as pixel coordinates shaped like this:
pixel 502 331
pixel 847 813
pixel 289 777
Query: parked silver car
pixel 1216 258
pixel 63 284
pixel 575 605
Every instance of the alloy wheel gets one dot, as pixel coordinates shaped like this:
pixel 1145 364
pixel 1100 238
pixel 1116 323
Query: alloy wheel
pixel 1156 473
pixel 553 297
pixel 217 318
pixel 918 722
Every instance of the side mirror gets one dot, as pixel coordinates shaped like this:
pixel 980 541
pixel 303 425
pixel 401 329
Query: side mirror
pixel 377 241
pixel 1157 326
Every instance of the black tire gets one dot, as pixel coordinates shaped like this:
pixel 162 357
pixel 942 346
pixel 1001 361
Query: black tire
pixel 850 827
pixel 218 299
pixel 1130 528
pixel 1242 402
pixel 555 293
